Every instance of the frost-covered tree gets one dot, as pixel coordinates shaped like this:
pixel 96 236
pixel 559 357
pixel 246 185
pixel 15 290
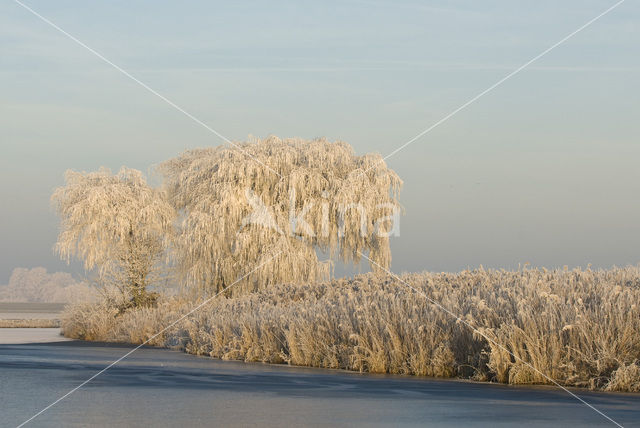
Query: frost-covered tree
pixel 37 285
pixel 285 197
pixel 116 224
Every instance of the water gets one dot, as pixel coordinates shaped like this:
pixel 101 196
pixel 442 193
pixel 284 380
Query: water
pixel 158 387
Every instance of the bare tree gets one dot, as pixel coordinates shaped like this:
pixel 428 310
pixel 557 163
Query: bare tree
pixel 116 224
pixel 288 197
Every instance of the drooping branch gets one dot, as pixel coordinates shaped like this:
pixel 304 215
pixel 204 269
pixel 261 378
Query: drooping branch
pixel 302 196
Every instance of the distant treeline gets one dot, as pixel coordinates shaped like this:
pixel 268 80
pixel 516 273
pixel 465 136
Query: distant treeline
pixel 37 285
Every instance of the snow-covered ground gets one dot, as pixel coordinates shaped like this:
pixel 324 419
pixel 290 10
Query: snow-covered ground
pixel 30 311
pixel 30 335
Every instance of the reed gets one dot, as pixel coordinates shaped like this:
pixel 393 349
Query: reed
pixel 578 327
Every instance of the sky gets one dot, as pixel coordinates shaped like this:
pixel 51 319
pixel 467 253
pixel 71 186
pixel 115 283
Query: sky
pixel 542 169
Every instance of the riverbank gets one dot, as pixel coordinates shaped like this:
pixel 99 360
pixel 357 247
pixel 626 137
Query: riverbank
pixel 578 328
pixel 28 322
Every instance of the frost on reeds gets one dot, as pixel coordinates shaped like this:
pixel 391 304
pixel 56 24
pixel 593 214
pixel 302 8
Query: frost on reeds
pixel 579 327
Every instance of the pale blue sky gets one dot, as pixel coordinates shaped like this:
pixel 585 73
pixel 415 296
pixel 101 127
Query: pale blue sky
pixel 543 170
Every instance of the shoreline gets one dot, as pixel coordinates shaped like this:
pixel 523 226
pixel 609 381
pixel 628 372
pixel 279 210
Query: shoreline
pixel 27 335
pixel 259 365
pixel 30 323
pixel 233 393
pixel 417 378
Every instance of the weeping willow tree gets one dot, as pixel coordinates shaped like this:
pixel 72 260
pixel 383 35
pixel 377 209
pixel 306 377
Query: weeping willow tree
pixel 116 224
pixel 287 198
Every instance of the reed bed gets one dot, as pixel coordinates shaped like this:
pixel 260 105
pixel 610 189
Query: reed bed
pixel 577 327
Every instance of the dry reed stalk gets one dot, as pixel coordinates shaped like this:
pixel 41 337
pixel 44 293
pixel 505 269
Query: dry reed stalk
pixel 579 327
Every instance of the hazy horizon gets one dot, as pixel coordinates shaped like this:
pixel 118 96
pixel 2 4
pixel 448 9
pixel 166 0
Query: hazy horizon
pixel 541 170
